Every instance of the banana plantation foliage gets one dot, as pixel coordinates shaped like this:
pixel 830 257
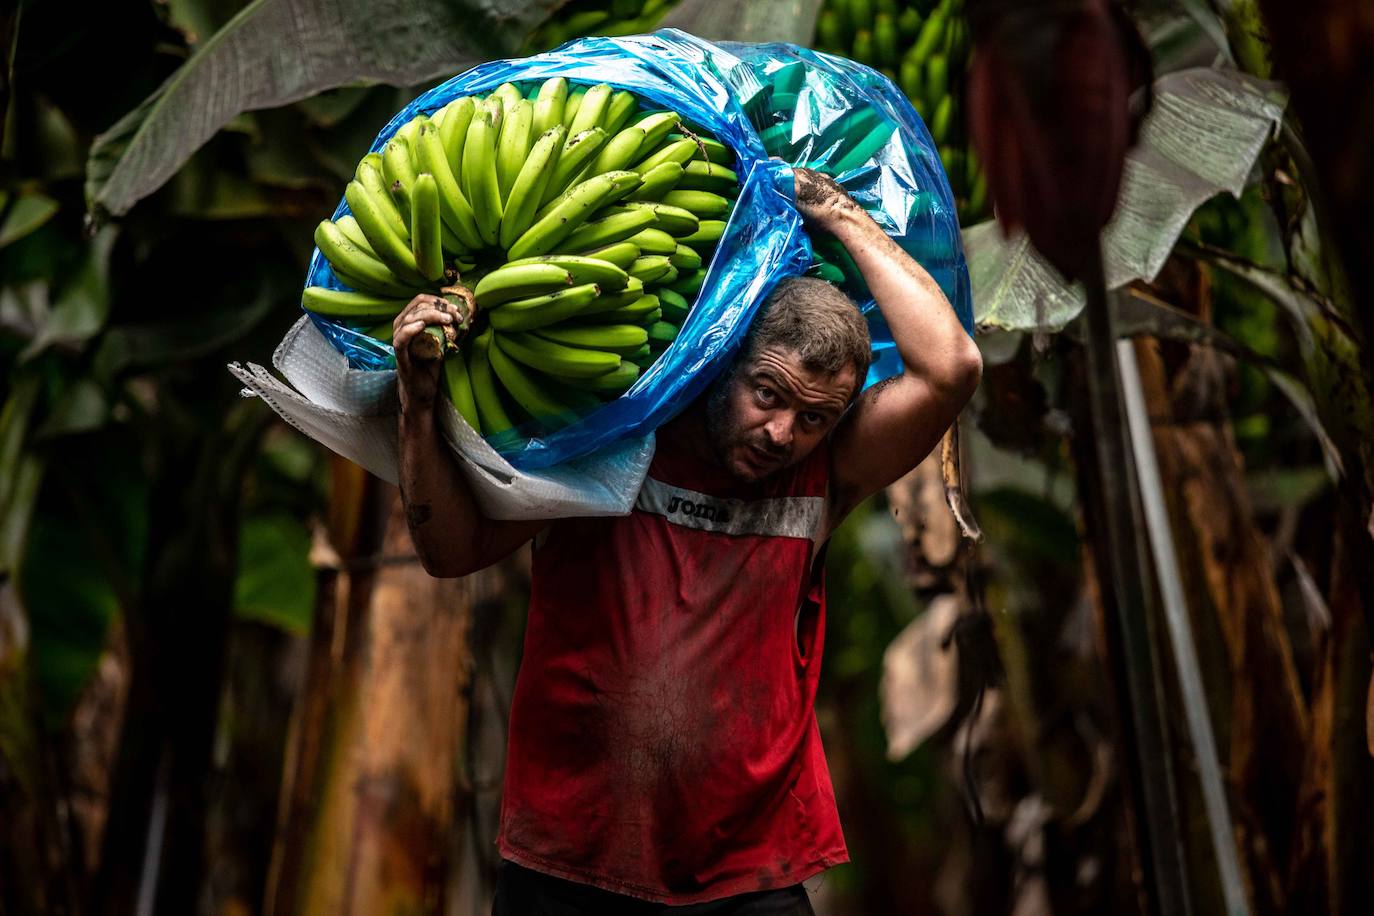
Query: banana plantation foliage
pixel 1107 649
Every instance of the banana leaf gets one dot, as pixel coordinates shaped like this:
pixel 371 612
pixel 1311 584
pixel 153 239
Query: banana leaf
pixel 279 51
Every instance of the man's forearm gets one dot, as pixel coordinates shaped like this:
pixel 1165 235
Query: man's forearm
pixel 929 338
pixel 442 513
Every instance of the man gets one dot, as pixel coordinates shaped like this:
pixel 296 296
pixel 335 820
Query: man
pixel 663 750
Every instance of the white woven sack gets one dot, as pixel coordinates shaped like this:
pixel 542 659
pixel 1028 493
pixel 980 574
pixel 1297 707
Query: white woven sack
pixel 353 412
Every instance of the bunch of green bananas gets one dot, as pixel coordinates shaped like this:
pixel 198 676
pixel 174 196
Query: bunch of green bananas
pixel 923 47
pixel 604 17
pixel 581 225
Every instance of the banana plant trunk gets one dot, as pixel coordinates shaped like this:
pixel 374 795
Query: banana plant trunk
pixel 375 777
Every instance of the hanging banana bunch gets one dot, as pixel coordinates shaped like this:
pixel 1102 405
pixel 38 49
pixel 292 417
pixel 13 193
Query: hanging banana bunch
pixel 924 48
pixel 582 226
pixel 597 17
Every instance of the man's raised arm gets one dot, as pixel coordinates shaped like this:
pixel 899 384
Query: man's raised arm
pixel 896 423
pixel 451 535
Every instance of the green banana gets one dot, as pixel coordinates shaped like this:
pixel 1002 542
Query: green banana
pixel 619 151
pixel 489 407
pixel 538 311
pixel 399 172
pixel 944 112
pixel 909 77
pixel 633 313
pixel 656 128
pixel 717 153
pixel 407 131
pixel 390 249
pixel 863 47
pixel 570 106
pixel 583 269
pixel 616 381
pixel 370 177
pixel 861 14
pixel 529 186
pixel 830 31
pixel 610 229
pixel 707 176
pixel 937 76
pixel 652 317
pixel 459 388
pixel 548 105
pixel 679 151
pixel 513 147
pixel 704 204
pixel 932 34
pixel 689 284
pixel 479 170
pixel 685 258
pixel 592 109
pixel 658 181
pixel 621 254
pixel 609 302
pixel 709 232
pixel 675 307
pixel 649 268
pixel 453 206
pixel 886 40
pixel 508 95
pixel 623 339
pixel 570 212
pixel 661 333
pixel 909 23
pixel 866 148
pixel 335 303
pixel 425 224
pixel 654 241
pixel 453 131
pixel 622 107
pixel 385 288
pixel 675 221
pixel 381 332
pixel 556 359
pixel 506 283
pixel 529 394
pixel 350 228
pixel 578 152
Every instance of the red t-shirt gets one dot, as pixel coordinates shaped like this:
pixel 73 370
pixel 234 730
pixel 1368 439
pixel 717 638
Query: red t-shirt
pixel 663 740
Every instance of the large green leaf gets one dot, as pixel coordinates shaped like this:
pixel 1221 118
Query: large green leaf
pixel 20 471
pixel 26 213
pixel 82 304
pixel 82 560
pixel 276 583
pixel 279 51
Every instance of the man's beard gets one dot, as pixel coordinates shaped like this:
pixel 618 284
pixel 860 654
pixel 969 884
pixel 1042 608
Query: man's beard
pixel 723 433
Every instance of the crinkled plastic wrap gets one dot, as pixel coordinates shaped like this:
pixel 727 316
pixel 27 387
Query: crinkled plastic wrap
pixel 733 91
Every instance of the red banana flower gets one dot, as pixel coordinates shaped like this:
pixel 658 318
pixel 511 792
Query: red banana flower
pixel 1051 115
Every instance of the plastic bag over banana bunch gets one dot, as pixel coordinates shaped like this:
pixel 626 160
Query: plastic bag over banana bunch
pixel 619 208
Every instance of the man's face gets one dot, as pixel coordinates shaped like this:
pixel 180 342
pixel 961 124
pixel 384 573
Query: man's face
pixel 772 411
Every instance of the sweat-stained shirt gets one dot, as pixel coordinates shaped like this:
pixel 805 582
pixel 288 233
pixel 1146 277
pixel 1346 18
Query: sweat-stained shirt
pixel 663 740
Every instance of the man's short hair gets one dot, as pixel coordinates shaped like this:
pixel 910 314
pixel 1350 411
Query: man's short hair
pixel 817 321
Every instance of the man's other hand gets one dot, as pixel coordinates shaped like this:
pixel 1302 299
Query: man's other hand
pixel 821 200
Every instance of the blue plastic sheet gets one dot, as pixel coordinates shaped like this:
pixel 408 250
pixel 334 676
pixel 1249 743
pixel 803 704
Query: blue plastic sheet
pixel 726 89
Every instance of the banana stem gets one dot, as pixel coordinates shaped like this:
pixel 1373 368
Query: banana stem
pixel 433 344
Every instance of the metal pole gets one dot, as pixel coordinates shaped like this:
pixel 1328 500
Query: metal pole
pixel 1180 632
pixel 1129 573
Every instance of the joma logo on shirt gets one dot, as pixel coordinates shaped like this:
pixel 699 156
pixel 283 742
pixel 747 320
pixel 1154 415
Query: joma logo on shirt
pixel 698 510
